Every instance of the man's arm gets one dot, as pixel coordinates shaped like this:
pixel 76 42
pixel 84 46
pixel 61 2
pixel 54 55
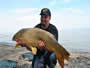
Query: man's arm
pixel 54 31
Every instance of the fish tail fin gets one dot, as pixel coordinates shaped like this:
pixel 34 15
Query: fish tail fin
pixel 64 53
pixel 61 54
pixel 67 58
pixel 60 60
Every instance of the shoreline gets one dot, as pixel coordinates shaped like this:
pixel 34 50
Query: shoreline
pixel 9 48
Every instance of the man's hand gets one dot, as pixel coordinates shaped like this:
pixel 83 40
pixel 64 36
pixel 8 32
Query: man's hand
pixel 41 44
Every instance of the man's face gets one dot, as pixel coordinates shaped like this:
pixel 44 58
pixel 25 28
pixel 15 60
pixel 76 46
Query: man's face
pixel 45 19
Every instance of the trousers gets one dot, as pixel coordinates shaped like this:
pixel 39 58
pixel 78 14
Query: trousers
pixel 43 60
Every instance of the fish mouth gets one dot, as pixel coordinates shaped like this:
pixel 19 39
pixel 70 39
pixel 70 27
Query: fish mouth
pixel 17 45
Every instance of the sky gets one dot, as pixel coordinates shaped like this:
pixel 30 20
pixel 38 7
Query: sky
pixel 66 14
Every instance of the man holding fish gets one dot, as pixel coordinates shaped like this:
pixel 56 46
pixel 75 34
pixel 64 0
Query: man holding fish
pixel 48 50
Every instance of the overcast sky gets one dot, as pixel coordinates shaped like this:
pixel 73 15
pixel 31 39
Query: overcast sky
pixel 66 14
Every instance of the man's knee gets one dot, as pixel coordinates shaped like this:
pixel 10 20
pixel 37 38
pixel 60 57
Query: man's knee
pixel 53 60
pixel 53 57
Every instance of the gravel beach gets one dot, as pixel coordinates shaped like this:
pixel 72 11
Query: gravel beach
pixel 78 59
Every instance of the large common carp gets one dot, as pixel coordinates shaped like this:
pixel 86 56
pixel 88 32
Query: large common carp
pixel 31 36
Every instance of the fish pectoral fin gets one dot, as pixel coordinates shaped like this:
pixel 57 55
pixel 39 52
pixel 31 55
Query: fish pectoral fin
pixel 34 50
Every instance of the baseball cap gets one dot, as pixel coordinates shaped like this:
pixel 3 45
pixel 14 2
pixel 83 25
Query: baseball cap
pixel 45 11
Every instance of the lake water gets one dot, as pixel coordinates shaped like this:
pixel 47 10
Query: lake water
pixel 75 39
pixel 72 40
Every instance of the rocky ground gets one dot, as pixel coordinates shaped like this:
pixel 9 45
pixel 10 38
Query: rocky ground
pixel 22 58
